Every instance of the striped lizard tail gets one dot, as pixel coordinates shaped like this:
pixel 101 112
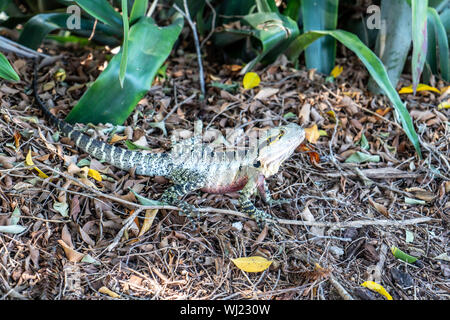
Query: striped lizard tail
pixel 146 164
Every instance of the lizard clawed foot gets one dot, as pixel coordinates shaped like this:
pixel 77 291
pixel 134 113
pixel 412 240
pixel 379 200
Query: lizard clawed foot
pixel 279 202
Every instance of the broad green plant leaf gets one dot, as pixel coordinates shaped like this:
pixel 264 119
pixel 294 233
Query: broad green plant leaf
pixel 373 65
pixel 320 15
pixel 6 70
pixel 440 37
pixel 266 6
pixel 103 11
pixel 139 10
pixel 394 40
pixel 419 36
pixel 123 61
pixel 293 9
pixel 37 28
pixel 106 101
pixel 273 31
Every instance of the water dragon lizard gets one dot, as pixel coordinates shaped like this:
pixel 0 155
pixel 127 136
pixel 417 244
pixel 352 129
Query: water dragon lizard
pixel 195 166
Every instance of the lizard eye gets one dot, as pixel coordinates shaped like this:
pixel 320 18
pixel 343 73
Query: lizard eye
pixel 257 164
pixel 275 138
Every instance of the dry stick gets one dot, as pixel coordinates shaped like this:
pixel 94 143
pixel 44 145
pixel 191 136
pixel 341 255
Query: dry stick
pixel 152 8
pixel 93 30
pixel 126 224
pixel 340 289
pixel 213 23
pixel 187 16
pixel 334 225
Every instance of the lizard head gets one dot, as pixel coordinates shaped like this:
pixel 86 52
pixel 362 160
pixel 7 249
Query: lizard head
pixel 276 145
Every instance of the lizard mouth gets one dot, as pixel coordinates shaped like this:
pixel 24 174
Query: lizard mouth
pixel 271 162
pixel 273 154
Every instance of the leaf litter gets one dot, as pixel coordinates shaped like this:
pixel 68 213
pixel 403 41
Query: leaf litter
pixel 63 221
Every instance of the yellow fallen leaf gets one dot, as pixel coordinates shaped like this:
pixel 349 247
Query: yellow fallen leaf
pixel 115 138
pixel 377 288
pixel 110 293
pixel 420 87
pixel 332 115
pixel 252 264
pixel 251 80
pixel 28 159
pixel 148 220
pixel 94 174
pixel 312 134
pixel 29 162
pixel 40 173
pixel 444 105
pixel 336 72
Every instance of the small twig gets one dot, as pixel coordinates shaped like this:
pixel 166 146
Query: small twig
pixel 340 289
pixel 359 223
pixel 126 224
pixel 213 23
pixel 177 105
pixel 152 8
pixel 333 225
pixel 93 30
pixel 187 16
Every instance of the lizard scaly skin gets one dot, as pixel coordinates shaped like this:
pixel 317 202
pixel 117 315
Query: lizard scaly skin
pixel 194 166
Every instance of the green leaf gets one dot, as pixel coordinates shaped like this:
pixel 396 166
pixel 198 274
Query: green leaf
pixel 145 201
pixel 103 11
pixel 414 201
pixel 364 143
pixel 320 15
pixel 293 9
pixel 15 229
pixel 106 101
pixel 132 146
pixel 409 236
pixel 62 208
pixel 37 28
pixel 419 34
pixel 360 157
pixel 442 41
pixel 274 31
pixel 399 254
pixel 139 10
pixel 375 68
pixel 123 61
pixel 225 86
pixel 394 40
pixel 6 70
pixel 15 216
pixel 266 6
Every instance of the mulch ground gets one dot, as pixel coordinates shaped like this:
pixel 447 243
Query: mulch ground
pixel 340 226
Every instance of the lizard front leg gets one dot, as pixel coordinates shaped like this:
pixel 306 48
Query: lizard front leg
pixel 249 208
pixel 264 192
pixel 185 181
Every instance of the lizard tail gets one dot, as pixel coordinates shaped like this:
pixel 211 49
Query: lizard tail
pixel 63 126
pixel 145 164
